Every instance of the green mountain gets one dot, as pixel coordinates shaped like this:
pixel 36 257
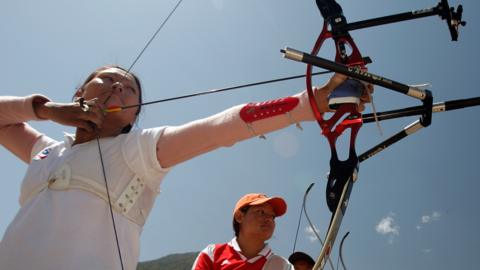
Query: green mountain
pixel 183 261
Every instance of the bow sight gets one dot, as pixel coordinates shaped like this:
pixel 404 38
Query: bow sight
pixel 333 14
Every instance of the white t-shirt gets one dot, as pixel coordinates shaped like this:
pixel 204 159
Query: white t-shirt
pixel 72 228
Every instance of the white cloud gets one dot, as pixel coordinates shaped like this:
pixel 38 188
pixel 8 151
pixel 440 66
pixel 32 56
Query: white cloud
pixel 387 226
pixel 425 219
pixel 311 234
pixel 435 216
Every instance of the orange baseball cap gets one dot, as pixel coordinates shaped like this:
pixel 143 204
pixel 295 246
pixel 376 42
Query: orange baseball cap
pixel 279 205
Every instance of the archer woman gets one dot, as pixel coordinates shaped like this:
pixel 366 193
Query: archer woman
pixel 67 197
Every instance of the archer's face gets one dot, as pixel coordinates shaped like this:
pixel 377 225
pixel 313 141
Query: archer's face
pixel 114 89
pixel 258 222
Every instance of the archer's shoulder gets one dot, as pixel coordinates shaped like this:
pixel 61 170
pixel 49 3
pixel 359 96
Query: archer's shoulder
pixel 144 133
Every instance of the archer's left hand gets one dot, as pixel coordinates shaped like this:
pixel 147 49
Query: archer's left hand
pixel 322 93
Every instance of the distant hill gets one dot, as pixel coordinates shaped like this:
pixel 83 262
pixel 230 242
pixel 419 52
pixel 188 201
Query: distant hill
pixel 182 261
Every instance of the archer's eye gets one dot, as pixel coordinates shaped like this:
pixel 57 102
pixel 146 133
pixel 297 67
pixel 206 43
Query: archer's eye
pixel 107 79
pixel 264 214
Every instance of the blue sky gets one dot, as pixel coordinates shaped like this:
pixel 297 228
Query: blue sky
pixel 415 205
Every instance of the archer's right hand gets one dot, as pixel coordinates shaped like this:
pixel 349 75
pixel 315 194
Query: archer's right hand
pixel 88 117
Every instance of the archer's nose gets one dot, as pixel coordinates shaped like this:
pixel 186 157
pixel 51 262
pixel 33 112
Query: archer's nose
pixel 117 87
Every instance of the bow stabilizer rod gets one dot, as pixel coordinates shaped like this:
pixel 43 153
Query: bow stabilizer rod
pixel 353 72
pixel 418 110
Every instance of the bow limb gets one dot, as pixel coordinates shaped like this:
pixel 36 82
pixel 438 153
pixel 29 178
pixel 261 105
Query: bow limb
pixel 311 96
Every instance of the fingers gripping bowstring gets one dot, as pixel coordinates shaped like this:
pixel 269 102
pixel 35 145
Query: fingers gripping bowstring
pixel 98 138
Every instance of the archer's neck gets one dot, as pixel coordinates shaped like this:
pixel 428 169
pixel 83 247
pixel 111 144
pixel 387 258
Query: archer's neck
pixel 250 246
pixel 81 136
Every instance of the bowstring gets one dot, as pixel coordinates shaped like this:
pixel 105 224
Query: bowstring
pixel 151 39
pixel 303 210
pixel 110 203
pixel 225 89
pixel 314 229
pixel 98 140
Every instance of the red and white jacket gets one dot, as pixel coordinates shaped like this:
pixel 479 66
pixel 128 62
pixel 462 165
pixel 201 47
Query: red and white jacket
pixel 228 256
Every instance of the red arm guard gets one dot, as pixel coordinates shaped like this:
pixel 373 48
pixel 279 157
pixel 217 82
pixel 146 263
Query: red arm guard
pixel 257 111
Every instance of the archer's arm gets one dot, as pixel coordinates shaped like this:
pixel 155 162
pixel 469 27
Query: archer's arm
pixel 16 135
pixel 20 138
pixel 181 143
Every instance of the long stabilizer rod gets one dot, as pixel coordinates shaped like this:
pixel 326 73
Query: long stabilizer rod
pixel 418 110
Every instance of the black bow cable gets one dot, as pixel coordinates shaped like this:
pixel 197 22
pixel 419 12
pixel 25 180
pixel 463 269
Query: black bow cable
pixel 98 141
pixel 219 90
pixel 310 222
pixel 110 203
pixel 298 226
pixel 151 39
pixel 340 256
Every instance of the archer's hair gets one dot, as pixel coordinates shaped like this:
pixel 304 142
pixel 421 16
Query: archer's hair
pixel 236 225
